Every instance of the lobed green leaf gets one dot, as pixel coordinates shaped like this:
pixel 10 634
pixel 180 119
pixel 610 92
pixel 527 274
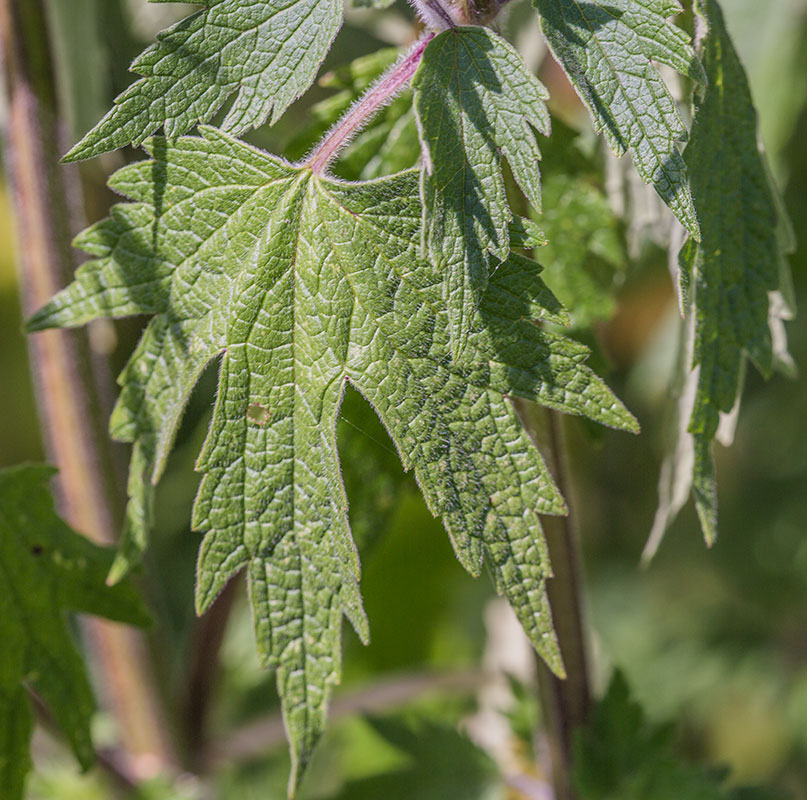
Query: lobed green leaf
pixel 607 49
pixel 727 278
pixel 265 53
pixel 620 755
pixel 475 102
pixel 302 285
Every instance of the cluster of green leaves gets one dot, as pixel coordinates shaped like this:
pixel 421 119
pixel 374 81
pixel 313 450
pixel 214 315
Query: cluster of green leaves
pixel 46 570
pixel 414 288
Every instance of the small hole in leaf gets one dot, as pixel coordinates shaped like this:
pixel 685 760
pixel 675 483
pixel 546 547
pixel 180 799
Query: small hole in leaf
pixel 37 550
pixel 258 414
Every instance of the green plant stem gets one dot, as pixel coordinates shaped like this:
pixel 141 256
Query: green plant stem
pixel 565 703
pixel 69 380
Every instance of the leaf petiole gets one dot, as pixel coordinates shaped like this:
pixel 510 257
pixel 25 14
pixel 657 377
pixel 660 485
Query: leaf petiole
pixel 382 92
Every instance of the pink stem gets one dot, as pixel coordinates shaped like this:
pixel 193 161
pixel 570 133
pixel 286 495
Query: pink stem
pixel 387 86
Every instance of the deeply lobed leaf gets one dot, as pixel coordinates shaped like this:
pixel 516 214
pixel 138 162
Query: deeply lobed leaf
pixel 303 284
pixel 265 53
pixel 46 569
pixel 740 260
pixel 475 102
pixel 607 49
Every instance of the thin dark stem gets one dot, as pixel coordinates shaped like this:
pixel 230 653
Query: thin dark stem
pixel 67 376
pixel 202 672
pixel 378 95
pixel 565 703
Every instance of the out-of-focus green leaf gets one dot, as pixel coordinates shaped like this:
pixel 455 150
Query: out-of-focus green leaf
pixel 621 756
pixel 370 3
pixel 441 764
pixel 81 61
pixel 46 569
pixel 371 469
pixel 584 257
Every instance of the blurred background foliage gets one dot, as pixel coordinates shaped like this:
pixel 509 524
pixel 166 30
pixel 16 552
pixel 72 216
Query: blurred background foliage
pixel 716 641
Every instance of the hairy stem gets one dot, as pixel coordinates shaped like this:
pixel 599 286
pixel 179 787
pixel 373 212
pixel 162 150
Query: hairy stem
pixel 377 96
pixel 67 376
pixel 565 703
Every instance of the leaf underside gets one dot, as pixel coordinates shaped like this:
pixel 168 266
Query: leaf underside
pixel 302 284
pixel 46 569
pixel 475 102
pixel 607 49
pixel 741 257
pixel 265 53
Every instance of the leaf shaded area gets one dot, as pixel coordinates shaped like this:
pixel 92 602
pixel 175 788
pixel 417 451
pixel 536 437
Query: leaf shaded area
pixel 475 102
pixel 741 257
pixel 607 48
pixel 265 53
pixel 302 284
pixel 46 569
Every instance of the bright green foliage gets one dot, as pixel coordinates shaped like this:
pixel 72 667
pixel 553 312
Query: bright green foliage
pixel 607 49
pixel 266 53
pixel 303 284
pixel 46 569
pixel 621 756
pixel 740 258
pixel 475 102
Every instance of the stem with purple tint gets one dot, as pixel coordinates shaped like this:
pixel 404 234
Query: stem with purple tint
pixel 387 86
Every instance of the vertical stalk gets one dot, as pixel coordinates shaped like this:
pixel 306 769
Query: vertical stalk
pixel 565 703
pixel 202 674
pixel 69 381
